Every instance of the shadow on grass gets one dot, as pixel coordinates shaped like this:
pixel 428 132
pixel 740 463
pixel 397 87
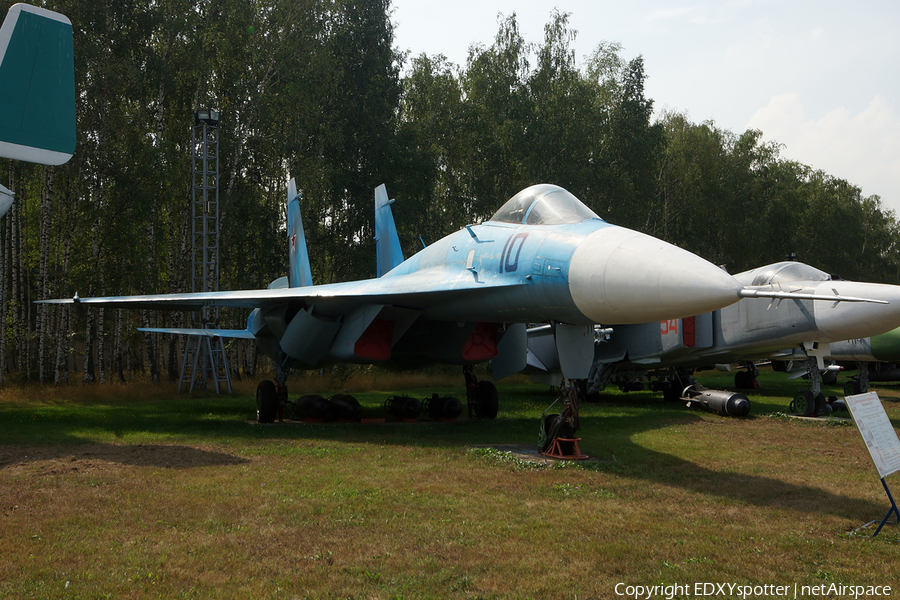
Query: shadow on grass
pixel 164 433
pixel 174 456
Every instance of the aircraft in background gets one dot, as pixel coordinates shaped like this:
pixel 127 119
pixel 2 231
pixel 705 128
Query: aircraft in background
pixel 876 357
pixel 37 89
pixel 804 331
pixel 543 256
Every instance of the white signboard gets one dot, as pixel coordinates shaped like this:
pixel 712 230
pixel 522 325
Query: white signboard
pixel 877 431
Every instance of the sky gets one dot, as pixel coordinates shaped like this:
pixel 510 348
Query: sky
pixel 821 78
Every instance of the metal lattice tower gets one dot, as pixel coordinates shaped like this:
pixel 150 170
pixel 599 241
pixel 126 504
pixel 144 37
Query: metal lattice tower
pixel 205 205
pixel 204 358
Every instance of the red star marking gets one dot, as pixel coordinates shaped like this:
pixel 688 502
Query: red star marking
pixel 293 239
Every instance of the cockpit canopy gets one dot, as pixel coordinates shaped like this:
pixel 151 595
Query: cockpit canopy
pixel 784 272
pixel 543 204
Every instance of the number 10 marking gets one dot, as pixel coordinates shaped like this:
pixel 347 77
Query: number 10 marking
pixel 508 263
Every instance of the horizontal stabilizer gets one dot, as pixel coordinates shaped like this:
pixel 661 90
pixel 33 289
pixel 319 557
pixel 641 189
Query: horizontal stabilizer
pixel 37 86
pixel 213 333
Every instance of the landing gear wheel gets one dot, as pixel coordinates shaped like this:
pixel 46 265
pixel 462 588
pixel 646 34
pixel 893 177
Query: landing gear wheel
pixel 821 405
pixel 742 380
pixel 266 402
pixel 851 388
pixel 804 403
pixel 487 400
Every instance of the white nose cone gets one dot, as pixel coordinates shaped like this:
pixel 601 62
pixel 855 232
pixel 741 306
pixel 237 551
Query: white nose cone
pixel 620 276
pixel 852 320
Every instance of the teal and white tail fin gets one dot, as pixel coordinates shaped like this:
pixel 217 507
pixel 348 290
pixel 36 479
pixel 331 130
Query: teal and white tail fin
pixel 37 86
pixel 388 253
pixel 299 274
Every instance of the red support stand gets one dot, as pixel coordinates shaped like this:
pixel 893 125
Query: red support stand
pixel 565 449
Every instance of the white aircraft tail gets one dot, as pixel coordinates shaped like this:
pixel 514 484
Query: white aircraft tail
pixel 37 86
pixel 299 274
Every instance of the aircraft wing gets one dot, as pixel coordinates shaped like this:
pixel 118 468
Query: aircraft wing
pixel 420 290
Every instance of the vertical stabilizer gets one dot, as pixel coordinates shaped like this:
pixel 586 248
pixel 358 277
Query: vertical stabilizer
pixel 299 274
pixel 37 86
pixel 388 253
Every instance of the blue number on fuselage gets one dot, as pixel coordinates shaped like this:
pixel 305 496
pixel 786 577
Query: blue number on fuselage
pixel 508 262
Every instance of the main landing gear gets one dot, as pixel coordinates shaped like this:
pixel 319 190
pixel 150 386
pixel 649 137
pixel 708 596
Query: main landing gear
pixel 812 402
pixel 860 383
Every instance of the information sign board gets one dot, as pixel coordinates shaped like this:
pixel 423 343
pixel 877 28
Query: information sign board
pixel 877 431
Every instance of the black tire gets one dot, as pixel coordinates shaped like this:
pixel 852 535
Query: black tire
pixel 821 403
pixel 851 388
pixel 487 400
pixel 781 366
pixel 804 403
pixel 266 402
pixel 741 380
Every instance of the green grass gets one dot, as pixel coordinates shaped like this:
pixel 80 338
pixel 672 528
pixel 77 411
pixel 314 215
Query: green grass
pixel 134 491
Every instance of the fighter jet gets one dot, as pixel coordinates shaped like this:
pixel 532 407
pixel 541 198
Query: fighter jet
pixel 876 357
pixel 797 328
pixel 37 89
pixel 543 256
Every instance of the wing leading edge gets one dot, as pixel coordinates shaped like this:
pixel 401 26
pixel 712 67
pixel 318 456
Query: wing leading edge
pixel 420 290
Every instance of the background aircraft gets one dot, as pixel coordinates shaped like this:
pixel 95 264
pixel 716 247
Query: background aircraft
pixel 544 256
pixel 37 89
pixel 798 329
pixel 876 357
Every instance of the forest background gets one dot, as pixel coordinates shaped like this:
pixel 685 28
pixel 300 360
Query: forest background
pixel 316 90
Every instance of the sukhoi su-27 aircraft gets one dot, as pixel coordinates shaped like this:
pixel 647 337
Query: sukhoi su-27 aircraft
pixel 466 299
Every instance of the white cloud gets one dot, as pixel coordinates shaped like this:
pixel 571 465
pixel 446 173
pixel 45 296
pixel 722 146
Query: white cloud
pixel 863 148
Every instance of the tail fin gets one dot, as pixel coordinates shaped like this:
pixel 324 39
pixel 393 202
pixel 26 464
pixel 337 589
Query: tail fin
pixel 299 274
pixel 37 86
pixel 388 253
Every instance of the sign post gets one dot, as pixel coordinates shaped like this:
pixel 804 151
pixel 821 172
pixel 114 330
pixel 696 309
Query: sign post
pixel 880 438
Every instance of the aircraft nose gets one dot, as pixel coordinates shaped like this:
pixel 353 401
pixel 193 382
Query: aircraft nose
pixel 853 320
pixel 620 276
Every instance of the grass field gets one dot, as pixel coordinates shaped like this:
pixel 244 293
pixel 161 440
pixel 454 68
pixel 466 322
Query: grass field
pixel 135 491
